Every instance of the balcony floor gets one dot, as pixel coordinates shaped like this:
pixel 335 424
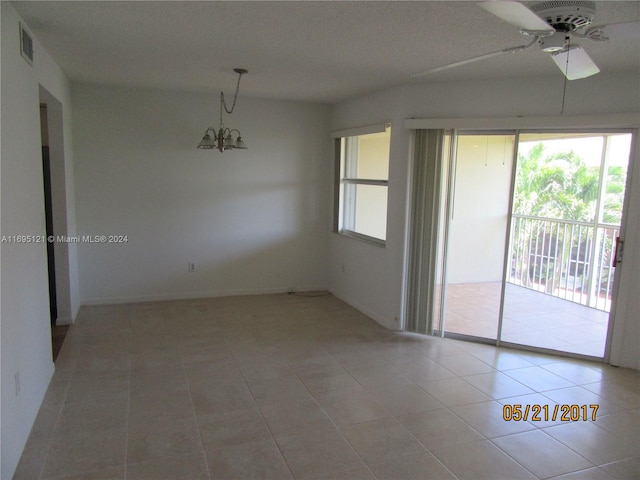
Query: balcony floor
pixel 530 318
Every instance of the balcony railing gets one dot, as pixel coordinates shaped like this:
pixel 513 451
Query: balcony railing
pixel 567 259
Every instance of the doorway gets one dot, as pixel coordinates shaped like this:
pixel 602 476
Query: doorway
pixel 532 226
pixel 48 211
pixel 54 171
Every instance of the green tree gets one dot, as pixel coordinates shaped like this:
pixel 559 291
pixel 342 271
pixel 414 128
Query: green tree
pixel 558 186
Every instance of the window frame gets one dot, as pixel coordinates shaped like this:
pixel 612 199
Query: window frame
pixel 345 154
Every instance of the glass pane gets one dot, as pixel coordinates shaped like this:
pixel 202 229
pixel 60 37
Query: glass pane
pixel 564 229
pixel 477 234
pixel 371 210
pixel 372 161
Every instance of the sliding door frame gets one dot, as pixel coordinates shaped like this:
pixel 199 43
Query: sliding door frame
pixel 618 123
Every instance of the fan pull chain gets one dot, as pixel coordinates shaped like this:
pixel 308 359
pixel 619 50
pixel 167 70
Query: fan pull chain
pixel 566 71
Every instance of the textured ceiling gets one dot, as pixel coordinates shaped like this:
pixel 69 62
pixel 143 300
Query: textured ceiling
pixel 323 51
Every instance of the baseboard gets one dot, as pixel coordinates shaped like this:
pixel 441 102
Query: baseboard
pixel 195 295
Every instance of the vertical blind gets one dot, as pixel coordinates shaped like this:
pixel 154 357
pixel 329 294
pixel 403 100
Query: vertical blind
pixel 426 198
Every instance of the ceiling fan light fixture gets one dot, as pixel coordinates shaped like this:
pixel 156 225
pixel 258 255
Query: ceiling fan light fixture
pixel 575 63
pixel 554 43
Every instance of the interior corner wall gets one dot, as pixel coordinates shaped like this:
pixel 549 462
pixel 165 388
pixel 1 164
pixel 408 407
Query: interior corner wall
pixel 25 333
pixel 250 221
pixel 372 278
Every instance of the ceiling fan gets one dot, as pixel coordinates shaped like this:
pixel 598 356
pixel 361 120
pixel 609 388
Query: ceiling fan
pixel 553 25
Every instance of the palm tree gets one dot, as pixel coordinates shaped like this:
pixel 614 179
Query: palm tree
pixel 559 186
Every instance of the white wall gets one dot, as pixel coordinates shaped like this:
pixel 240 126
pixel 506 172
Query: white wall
pixel 252 221
pixel 368 276
pixel 371 278
pixel 25 331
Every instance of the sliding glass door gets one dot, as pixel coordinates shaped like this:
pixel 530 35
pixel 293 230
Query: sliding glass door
pixel 567 213
pixel 528 238
pixel 477 232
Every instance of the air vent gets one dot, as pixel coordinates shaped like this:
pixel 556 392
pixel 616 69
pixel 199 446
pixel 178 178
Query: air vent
pixel 26 45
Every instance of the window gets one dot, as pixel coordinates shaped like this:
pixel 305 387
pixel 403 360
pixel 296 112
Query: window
pixel 363 184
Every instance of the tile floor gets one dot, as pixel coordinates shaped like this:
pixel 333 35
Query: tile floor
pixel 530 318
pixel 284 386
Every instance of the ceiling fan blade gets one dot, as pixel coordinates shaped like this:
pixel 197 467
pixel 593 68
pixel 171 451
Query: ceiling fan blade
pixel 516 14
pixel 614 31
pixel 457 64
pixel 471 60
pixel 575 63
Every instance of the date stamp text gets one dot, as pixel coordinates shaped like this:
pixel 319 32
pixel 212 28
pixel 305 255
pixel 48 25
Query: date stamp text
pixel 539 413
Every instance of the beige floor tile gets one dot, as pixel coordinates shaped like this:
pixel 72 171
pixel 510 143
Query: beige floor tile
pixel 425 370
pixel 206 374
pixel 33 457
pixel 381 440
pixel 235 428
pixel 356 473
pixel 624 424
pixel 163 404
pixel 152 359
pixel 582 396
pixel 95 388
pixel 439 428
pixel 481 460
pixel 502 359
pixel 282 390
pixel 538 379
pixel 627 468
pixel 578 373
pixel 351 406
pixel 293 417
pixel 194 355
pixel 487 418
pixel 541 454
pixel 405 398
pixel 625 391
pixel 318 452
pixel 89 417
pixel 413 467
pixel 453 391
pixel 330 382
pixel 594 473
pixel 114 473
pixel 85 451
pixel 149 382
pixel 275 377
pixel 498 385
pixel 211 398
pixel 192 467
pixel 465 364
pixel 594 443
pixel 388 377
pixel 155 438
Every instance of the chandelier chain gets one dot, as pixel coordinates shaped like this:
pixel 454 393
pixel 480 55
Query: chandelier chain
pixel 235 96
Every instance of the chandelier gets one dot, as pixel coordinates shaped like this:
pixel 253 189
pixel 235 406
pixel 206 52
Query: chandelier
pixel 222 139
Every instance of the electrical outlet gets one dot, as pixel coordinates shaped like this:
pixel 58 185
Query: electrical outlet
pixel 16 379
pixel 191 267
